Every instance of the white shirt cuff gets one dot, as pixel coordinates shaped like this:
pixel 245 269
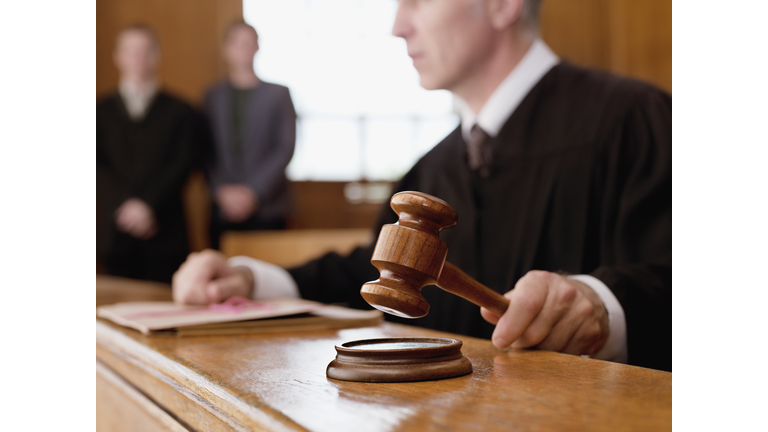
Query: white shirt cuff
pixel 615 348
pixel 270 280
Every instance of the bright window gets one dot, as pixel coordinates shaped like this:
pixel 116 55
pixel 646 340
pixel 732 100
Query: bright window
pixel 362 113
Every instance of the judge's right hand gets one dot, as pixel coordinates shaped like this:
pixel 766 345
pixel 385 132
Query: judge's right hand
pixel 206 278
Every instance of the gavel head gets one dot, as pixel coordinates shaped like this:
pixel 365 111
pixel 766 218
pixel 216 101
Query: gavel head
pixel 409 254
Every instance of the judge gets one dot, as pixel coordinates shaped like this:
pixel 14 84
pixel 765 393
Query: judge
pixel 560 175
pixel 145 148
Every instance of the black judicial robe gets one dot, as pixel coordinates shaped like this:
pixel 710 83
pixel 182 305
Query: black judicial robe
pixel 580 182
pixel 149 159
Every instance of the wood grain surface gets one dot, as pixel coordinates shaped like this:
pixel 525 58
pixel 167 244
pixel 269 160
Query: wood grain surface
pixel 398 360
pixel 123 408
pixel 278 382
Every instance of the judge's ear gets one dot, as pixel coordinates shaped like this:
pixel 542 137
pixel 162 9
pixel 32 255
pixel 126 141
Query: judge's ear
pixel 504 13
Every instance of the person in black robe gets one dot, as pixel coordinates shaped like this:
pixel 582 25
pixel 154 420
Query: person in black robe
pixel 580 182
pixel 145 148
pixel 575 181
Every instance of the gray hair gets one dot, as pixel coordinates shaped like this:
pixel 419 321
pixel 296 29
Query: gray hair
pixel 530 14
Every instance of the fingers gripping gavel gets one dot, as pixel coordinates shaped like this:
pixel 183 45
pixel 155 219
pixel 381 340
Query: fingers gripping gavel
pixel 410 255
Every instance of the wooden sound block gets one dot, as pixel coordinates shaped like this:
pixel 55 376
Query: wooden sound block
pixel 398 360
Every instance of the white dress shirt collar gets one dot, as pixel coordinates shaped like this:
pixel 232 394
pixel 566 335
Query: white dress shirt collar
pixel 137 99
pixel 532 67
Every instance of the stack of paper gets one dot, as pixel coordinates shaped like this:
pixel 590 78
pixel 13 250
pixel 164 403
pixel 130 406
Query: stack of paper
pixel 235 316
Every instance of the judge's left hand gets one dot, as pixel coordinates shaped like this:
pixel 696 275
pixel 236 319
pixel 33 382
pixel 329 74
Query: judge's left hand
pixel 551 312
pixel 206 278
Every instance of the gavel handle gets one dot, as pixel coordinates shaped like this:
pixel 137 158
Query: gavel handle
pixel 455 281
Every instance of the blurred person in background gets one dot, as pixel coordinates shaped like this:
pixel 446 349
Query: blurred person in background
pixel 562 180
pixel 145 147
pixel 254 128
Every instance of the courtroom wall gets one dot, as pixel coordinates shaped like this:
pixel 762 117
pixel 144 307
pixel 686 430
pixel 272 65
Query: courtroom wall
pixel 627 37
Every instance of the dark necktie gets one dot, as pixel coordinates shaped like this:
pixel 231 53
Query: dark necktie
pixel 477 148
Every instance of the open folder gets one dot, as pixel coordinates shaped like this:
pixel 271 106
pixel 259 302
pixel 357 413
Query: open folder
pixel 237 315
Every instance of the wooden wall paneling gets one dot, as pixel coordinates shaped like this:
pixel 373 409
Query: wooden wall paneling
pixel 317 205
pixel 106 30
pixel 321 204
pixel 618 41
pixel 649 41
pixel 197 210
pixel 577 31
pixel 627 37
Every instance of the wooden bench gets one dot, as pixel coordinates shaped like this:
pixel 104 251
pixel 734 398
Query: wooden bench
pixel 289 248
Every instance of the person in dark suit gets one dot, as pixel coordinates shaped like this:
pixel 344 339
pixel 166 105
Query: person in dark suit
pixel 562 180
pixel 145 147
pixel 254 128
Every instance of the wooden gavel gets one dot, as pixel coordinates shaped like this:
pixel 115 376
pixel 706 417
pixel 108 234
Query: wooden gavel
pixel 410 255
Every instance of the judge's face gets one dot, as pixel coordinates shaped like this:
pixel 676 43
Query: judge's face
pixel 240 47
pixel 447 39
pixel 136 54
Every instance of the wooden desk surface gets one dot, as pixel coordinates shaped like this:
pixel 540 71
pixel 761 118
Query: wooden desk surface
pixel 277 382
